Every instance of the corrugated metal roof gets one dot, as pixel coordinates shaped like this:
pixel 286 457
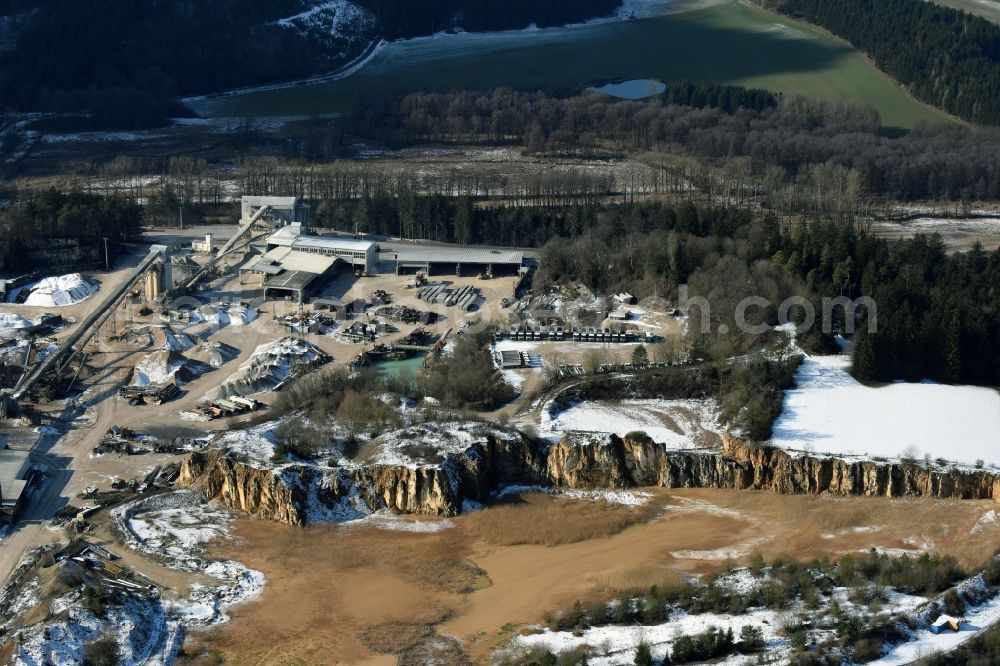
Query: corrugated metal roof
pixel 283 202
pixel 455 254
pixel 287 259
pixel 307 262
pixel 290 280
pixel 288 238
pixel 333 243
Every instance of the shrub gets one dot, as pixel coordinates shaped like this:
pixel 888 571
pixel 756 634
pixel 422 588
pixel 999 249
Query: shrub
pixel 953 602
pixel 101 652
pixel 866 650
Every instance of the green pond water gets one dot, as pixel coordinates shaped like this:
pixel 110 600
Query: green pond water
pixel 410 365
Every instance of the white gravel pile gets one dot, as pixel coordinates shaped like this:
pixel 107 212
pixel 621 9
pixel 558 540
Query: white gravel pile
pixel 60 291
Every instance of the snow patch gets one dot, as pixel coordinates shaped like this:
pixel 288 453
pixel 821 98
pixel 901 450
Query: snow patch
pixel 832 413
pixel 616 645
pixel 925 643
pixel 11 324
pixel 988 521
pixel 165 367
pixel 174 526
pixel 678 424
pixel 727 553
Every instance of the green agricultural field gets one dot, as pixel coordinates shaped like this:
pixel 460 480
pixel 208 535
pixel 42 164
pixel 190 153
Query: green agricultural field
pixel 728 42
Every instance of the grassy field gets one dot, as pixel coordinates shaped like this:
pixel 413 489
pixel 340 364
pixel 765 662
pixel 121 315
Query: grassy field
pixel 728 42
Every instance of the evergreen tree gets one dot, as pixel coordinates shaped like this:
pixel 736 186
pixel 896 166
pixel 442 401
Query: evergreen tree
pixel 640 356
pixel 643 655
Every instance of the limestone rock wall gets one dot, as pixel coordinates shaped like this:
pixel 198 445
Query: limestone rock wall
pixel 288 494
pixel 579 460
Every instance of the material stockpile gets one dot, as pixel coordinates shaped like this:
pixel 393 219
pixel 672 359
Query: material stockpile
pixel 464 298
pixel 406 315
pixel 271 365
pixel 165 367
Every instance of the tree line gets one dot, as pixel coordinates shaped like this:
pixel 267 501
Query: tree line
pixel 30 227
pixel 946 57
pixel 781 141
pixel 801 157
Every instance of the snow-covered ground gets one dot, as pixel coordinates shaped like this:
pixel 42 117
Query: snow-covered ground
pixel 337 17
pixel 148 630
pixel 924 643
pixel 516 378
pixel 830 412
pixel 733 552
pixel 429 444
pixel 11 324
pixel 174 527
pixel 623 497
pixel 957 233
pixel 616 645
pixel 144 632
pixel 676 423
pixel 57 291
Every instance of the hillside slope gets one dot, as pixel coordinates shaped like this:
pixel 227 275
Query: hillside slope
pixel 126 61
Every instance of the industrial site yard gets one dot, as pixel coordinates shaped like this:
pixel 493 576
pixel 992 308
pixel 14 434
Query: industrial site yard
pixel 252 375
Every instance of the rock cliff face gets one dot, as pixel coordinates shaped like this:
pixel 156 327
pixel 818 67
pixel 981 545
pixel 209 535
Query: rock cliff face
pixel 443 482
pixel 258 492
pixel 591 461
pixel 300 493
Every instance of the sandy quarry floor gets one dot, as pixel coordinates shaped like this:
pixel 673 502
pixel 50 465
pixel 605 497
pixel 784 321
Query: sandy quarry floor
pixel 327 586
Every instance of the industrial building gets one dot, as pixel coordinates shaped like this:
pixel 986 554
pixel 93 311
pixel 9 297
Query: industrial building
pixel 14 470
pixel 360 254
pixel 455 260
pixel 296 264
pixel 286 273
pixel 283 210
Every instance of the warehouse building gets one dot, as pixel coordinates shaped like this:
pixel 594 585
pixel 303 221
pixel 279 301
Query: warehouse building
pixel 455 260
pixel 287 273
pixel 360 254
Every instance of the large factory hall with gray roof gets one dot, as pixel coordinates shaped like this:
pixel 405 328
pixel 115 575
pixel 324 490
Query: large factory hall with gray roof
pixel 297 262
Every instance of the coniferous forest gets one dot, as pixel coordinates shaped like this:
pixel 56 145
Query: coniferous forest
pixel 946 57
pixel 126 61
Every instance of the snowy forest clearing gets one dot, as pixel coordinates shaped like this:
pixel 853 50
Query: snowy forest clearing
pixel 676 423
pixel 830 412
pixel 959 234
